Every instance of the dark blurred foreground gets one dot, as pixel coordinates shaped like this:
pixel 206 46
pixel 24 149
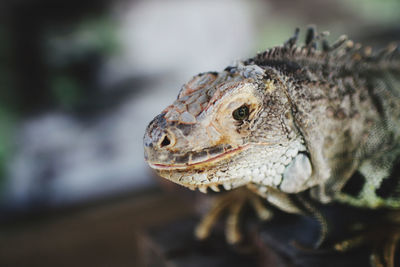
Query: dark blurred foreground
pixel 156 229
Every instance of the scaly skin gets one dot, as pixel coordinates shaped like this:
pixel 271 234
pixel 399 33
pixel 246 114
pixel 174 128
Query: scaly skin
pixel 310 120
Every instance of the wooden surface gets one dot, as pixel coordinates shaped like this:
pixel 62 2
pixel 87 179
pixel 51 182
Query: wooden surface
pixel 103 234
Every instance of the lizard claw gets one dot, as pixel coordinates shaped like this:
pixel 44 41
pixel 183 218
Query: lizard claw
pixel 233 202
pixel 383 239
pixel 383 247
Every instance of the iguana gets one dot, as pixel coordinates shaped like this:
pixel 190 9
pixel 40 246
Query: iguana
pixel 292 119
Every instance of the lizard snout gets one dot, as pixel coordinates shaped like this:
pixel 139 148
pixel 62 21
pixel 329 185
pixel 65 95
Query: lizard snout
pixel 157 135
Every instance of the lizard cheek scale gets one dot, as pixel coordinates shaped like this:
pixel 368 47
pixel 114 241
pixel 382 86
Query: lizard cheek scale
pixel 297 174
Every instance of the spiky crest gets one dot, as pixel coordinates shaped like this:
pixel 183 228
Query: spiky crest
pixel 342 53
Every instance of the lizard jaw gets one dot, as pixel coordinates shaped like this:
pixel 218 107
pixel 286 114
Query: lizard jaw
pixel 172 171
pixel 200 164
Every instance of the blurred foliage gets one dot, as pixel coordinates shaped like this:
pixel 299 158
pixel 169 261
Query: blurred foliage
pixel 356 18
pixel 7 110
pixel 102 34
pixel 379 10
pixel 91 35
pixel 74 58
pixel 71 57
pixel 7 124
pixel 67 91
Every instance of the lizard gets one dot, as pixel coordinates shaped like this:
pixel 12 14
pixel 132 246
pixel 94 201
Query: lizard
pixel 316 118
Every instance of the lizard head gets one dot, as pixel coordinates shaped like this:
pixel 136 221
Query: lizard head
pixel 229 128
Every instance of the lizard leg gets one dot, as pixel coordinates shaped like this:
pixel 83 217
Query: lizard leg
pixel 384 255
pixel 233 202
pixel 203 229
pixel 232 232
pixel 389 250
pixel 263 213
pixel 276 198
pixel 384 239
pixel 351 243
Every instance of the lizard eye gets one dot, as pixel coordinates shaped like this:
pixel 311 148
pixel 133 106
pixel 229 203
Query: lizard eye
pixel 241 113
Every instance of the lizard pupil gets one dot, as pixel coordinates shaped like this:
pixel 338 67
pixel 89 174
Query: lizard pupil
pixel 241 113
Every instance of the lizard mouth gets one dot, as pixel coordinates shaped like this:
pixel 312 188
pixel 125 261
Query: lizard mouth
pixel 172 171
pixel 210 160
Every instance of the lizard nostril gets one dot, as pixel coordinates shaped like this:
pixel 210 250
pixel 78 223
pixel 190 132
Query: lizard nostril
pixel 165 142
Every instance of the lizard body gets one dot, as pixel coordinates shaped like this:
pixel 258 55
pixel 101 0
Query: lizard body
pixel 291 119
